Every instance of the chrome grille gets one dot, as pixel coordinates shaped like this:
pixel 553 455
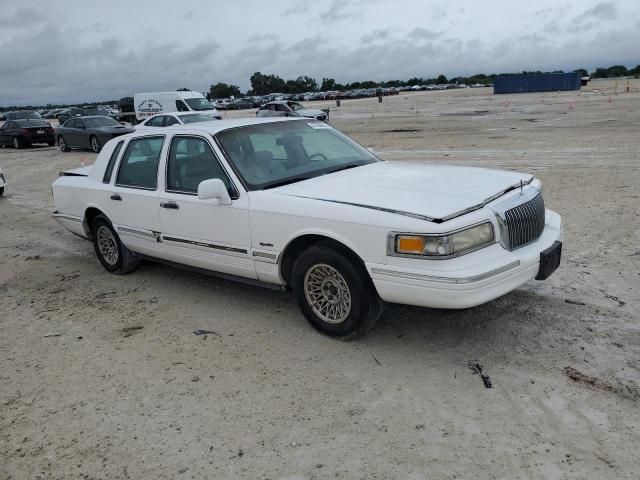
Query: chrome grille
pixel 525 222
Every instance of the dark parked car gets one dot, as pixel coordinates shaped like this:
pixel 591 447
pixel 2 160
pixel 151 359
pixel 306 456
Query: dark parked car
pixel 68 113
pixel 89 132
pixel 25 132
pixel 23 115
pixel 241 103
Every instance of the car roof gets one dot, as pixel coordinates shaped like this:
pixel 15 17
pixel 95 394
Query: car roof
pixel 215 126
pixel 90 116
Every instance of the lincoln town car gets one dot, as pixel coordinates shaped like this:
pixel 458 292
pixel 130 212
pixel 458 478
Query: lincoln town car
pixel 294 204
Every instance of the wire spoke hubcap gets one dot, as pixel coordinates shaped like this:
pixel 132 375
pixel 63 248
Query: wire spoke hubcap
pixel 107 245
pixel 327 293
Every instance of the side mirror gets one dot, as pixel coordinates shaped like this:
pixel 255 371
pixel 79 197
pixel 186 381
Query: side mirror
pixel 214 188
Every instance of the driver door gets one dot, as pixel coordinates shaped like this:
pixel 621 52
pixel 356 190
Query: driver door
pixel 202 233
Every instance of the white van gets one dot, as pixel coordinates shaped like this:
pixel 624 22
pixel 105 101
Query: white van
pixel 148 104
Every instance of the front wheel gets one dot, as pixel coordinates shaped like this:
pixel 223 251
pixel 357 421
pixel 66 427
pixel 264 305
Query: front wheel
pixel 18 142
pixel 95 144
pixel 335 293
pixel 62 144
pixel 113 255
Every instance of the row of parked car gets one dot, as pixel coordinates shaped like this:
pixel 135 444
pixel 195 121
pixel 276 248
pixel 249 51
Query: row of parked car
pixel 25 128
pixel 258 101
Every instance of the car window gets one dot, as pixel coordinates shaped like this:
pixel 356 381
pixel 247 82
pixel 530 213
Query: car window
pixel 70 124
pixel 280 107
pixel 98 122
pixel 112 161
pixel 196 117
pixel 191 161
pixel 80 124
pixel 156 121
pixel 169 120
pixel 139 165
pixel 181 106
pixel 269 154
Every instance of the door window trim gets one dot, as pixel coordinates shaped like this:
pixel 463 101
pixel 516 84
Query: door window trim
pixel 112 163
pixel 164 137
pixel 236 192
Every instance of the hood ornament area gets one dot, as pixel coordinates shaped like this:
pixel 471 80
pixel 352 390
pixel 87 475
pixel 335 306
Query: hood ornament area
pixel 521 187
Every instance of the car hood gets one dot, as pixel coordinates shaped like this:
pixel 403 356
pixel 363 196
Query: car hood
pixel 426 191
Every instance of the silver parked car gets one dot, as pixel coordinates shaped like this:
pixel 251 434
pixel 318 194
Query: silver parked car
pixel 288 108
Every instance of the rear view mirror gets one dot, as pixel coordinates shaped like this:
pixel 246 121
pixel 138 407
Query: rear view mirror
pixel 214 188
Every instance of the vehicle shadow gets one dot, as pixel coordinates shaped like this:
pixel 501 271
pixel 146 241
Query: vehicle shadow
pixel 520 317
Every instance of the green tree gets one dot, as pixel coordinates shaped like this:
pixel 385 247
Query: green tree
pixel 306 84
pixel 328 84
pixel 264 84
pixel 441 79
pixel 224 90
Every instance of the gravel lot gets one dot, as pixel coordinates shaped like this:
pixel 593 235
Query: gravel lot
pixel 128 391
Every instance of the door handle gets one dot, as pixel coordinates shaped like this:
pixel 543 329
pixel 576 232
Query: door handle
pixel 117 197
pixel 170 205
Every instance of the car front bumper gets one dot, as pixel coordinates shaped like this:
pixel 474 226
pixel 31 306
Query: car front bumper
pixel 468 280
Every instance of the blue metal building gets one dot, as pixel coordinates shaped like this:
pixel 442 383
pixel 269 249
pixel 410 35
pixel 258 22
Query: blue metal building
pixel 547 82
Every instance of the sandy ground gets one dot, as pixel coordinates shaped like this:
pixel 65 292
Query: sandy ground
pixel 128 391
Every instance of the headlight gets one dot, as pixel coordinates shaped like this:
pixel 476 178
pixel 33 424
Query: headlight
pixel 445 245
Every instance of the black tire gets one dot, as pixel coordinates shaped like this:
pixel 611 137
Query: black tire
pixel 1 191
pixel 18 142
pixel 106 239
pixel 62 144
pixel 365 306
pixel 51 143
pixel 94 143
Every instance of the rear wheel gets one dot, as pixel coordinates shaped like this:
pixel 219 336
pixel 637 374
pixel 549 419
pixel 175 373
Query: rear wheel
pixel 51 143
pixel 114 256
pixel 62 144
pixel 95 144
pixel 1 191
pixel 18 142
pixel 335 293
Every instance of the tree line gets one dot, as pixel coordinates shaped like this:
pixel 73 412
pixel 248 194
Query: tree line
pixel 264 84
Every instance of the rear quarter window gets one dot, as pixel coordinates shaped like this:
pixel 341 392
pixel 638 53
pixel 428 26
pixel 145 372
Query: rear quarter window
pixel 112 161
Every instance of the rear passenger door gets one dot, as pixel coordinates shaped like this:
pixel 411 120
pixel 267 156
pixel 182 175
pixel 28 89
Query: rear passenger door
pixel 198 232
pixel 132 206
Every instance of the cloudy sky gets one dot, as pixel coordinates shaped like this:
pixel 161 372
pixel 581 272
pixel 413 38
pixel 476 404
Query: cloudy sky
pixel 79 50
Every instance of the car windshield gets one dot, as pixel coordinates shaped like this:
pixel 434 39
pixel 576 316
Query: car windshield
pixel 198 103
pixel 100 122
pixel 295 106
pixel 26 115
pixel 274 154
pixel 195 118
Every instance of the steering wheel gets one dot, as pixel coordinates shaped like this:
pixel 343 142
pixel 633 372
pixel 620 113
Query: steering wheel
pixel 317 155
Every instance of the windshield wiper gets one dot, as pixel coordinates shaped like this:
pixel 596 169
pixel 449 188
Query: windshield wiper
pixel 286 182
pixel 344 167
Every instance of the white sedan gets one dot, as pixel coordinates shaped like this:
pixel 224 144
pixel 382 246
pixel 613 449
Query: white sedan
pixel 3 182
pixel 295 204
pixel 171 119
